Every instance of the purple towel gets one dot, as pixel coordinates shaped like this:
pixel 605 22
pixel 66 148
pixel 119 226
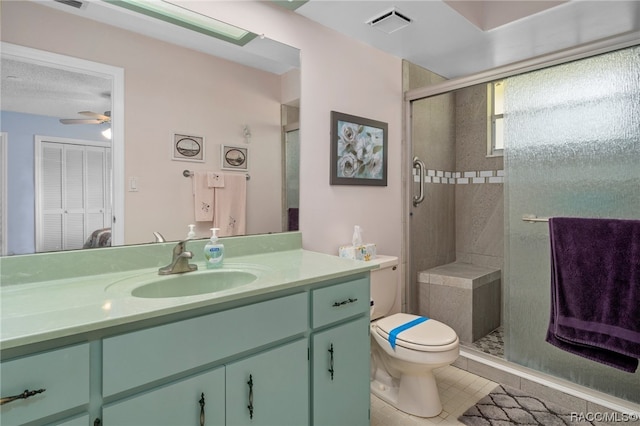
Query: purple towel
pixel 595 289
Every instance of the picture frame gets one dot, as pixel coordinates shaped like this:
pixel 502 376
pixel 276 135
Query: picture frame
pixel 234 158
pixel 358 150
pixel 186 147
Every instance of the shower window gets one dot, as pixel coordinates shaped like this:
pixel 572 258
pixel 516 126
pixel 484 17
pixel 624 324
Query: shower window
pixel 495 123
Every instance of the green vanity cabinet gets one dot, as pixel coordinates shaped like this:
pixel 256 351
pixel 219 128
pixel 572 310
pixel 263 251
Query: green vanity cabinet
pixel 295 356
pixel 236 342
pixel 340 354
pixel 178 403
pixel 135 359
pixel 63 373
pixel 270 388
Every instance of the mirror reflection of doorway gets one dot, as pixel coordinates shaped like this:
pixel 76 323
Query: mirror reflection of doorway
pixel 46 69
pixel 292 176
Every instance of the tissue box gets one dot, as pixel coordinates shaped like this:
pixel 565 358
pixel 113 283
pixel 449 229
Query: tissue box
pixel 362 252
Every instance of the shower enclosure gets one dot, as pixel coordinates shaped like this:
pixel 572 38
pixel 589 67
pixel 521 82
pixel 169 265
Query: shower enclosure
pixel 572 148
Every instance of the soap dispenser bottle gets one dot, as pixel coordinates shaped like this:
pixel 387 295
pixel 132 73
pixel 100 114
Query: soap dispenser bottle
pixel 191 234
pixel 356 240
pixel 214 251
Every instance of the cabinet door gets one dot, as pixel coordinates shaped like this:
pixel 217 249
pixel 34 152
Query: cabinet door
pixel 174 404
pixel 62 373
pixel 340 368
pixel 270 388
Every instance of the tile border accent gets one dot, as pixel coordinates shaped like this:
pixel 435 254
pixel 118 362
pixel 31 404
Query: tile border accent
pixel 461 178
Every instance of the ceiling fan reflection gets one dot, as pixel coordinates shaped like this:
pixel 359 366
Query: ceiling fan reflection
pixel 95 118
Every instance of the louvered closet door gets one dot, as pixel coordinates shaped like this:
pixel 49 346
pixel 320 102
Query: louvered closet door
pixel 98 189
pixel 51 204
pixel 75 198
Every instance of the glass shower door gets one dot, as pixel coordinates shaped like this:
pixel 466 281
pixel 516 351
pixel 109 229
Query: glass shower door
pixel 572 149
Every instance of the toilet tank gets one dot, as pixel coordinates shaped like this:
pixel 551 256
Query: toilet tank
pixel 385 285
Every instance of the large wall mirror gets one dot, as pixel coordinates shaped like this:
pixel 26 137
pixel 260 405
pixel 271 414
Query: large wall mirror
pixel 71 74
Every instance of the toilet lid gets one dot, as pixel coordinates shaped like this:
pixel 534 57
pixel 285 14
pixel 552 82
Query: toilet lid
pixel 428 333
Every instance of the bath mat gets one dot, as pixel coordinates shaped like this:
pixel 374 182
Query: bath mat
pixel 509 406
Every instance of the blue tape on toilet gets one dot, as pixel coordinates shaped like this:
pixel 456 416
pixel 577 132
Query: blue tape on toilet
pixel 393 334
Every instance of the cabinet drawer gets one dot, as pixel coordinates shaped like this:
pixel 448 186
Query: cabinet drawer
pixel 337 302
pixel 64 373
pixel 140 357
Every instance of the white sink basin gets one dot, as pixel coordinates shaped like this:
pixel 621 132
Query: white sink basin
pixel 203 281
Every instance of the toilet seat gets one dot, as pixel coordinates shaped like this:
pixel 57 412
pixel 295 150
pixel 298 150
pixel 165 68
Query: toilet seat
pixel 428 336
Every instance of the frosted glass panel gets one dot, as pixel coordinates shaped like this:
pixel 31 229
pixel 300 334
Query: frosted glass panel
pixel 572 135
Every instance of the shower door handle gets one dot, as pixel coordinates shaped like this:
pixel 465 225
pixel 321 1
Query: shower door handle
pixel 417 163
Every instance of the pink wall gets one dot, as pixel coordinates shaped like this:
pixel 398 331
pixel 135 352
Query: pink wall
pixel 338 74
pixel 171 89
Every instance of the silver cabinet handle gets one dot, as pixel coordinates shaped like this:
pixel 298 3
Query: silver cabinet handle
pixel 331 370
pixel 24 395
pixel 250 406
pixel 417 163
pixel 344 302
pixel 201 409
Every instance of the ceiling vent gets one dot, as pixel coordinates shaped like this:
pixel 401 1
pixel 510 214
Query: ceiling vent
pixel 390 21
pixel 73 3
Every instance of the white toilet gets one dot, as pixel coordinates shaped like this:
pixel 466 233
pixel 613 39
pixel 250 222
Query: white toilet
pixel 402 376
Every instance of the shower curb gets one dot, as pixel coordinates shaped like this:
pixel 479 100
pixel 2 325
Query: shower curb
pixel 570 395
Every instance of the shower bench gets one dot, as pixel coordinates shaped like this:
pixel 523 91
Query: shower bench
pixel 464 296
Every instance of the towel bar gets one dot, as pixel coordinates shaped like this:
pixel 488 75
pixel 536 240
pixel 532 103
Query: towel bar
pixel 533 218
pixel 189 173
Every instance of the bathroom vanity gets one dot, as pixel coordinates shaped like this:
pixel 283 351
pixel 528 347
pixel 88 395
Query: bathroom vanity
pixel 290 347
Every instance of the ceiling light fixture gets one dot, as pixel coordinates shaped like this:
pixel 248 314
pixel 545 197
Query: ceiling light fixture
pixel 188 19
pixel 390 21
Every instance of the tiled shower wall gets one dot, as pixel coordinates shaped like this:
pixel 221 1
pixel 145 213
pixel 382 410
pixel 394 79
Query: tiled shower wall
pixel 476 222
pixel 479 207
pixel 462 217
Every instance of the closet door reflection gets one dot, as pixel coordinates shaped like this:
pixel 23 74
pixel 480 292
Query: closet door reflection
pixel 72 192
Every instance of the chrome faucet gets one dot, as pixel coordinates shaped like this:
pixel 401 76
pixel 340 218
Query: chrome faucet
pixel 180 262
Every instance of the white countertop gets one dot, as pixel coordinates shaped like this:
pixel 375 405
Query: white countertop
pixel 36 312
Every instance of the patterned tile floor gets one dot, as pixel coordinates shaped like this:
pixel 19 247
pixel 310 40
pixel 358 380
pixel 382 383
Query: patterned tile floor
pixel 492 343
pixel 459 390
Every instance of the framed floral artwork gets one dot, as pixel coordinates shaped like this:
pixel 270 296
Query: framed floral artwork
pixel 358 150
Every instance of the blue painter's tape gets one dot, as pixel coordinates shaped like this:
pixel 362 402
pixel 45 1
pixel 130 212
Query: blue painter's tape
pixel 393 334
